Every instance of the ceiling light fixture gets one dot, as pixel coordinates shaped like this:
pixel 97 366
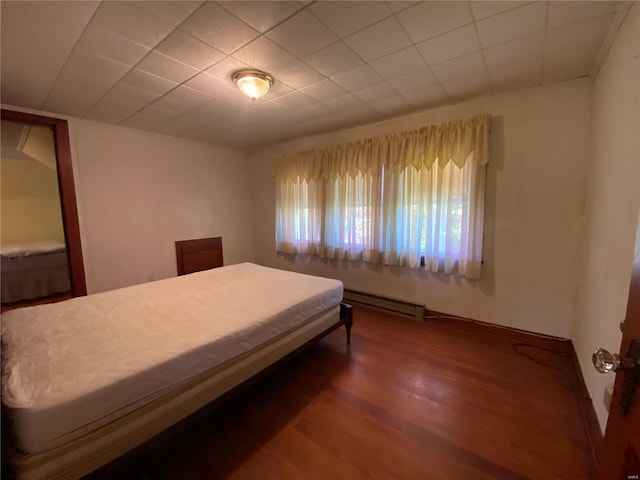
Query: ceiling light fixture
pixel 253 83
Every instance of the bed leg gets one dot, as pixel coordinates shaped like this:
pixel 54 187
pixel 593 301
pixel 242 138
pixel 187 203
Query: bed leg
pixel 346 315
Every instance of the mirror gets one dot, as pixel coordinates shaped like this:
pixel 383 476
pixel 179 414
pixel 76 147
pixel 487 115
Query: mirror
pixel 33 251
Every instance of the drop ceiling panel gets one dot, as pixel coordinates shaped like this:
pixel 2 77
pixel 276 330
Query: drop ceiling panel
pixel 214 25
pixel 262 15
pixel 429 19
pixel 36 39
pixel 378 40
pixel 335 58
pixel 173 12
pixel 488 9
pixel 131 22
pixel 148 81
pixel 119 103
pixel 323 90
pixel 184 48
pixel 399 63
pixel 111 45
pixel 415 80
pixel 345 18
pixel 513 24
pixel 166 66
pixel 566 13
pixel 302 34
pixel 356 78
pixel 515 50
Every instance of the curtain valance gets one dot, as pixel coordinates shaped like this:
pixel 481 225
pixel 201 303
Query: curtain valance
pixel 457 141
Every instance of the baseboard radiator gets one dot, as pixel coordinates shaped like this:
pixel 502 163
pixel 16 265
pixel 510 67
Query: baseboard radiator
pixel 392 305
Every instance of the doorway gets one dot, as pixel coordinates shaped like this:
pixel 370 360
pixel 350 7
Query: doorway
pixel 40 244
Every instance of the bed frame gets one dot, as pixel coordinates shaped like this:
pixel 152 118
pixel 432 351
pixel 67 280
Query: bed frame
pixel 198 255
pixel 78 458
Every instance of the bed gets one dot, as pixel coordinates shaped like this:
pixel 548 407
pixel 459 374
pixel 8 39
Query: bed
pixel 33 270
pixel 88 379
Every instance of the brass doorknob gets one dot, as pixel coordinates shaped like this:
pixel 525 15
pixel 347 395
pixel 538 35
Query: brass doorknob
pixel 606 362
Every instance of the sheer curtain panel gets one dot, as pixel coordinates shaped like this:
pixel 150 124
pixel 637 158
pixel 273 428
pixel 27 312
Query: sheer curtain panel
pixel 412 198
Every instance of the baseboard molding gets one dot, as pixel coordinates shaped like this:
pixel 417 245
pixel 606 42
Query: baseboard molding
pixel 561 345
pixel 587 410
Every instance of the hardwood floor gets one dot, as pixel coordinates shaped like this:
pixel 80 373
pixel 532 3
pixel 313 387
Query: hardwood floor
pixel 406 400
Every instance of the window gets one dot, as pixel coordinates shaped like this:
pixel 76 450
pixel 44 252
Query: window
pixel 391 200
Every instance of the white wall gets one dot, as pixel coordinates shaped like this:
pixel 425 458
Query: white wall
pixel 534 205
pixel 139 192
pixel 611 207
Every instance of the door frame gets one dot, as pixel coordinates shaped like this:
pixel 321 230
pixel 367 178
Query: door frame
pixel 67 190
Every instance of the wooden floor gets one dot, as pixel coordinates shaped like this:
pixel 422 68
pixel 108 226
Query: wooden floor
pixel 406 400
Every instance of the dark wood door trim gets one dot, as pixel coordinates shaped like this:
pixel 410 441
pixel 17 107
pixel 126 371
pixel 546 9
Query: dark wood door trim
pixel 67 192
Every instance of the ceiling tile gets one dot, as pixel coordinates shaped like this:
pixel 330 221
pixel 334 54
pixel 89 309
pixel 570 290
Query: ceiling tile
pixel 226 67
pixel 323 90
pixel 342 102
pixel 450 45
pixel 487 9
pixel 568 63
pixel 165 67
pixel 188 96
pixel 297 76
pixel 399 63
pixel 470 86
pixel 357 78
pixel 334 59
pixel 565 13
pixel 264 54
pixel 83 81
pixel 214 25
pixel 578 35
pixel 205 83
pixel 262 15
pixel 465 66
pixel 130 22
pixel 510 76
pixel 391 106
pixel 73 95
pixel 120 103
pixel 173 12
pixel 423 97
pixel 345 18
pixel 108 44
pixel 513 24
pixel 189 50
pixel 91 65
pixel 415 80
pixel 302 34
pixel 379 40
pixel 429 19
pixel 148 81
pixel 398 5
pixel 294 100
pixel 36 40
pixel 149 118
pixel 530 47
pixel 375 92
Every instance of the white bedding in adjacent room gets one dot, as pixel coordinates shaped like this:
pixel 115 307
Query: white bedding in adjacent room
pixel 43 247
pixel 67 365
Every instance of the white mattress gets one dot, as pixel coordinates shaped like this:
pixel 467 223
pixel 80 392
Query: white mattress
pixel 70 364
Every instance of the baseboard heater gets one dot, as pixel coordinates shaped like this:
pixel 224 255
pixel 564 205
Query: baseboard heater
pixel 387 304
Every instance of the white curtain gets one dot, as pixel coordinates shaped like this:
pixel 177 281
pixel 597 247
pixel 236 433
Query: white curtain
pixel 412 198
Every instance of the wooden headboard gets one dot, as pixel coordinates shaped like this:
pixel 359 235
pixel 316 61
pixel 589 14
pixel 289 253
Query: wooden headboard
pixel 197 255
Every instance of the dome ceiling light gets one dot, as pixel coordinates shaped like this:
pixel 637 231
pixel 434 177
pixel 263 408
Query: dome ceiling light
pixel 253 83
